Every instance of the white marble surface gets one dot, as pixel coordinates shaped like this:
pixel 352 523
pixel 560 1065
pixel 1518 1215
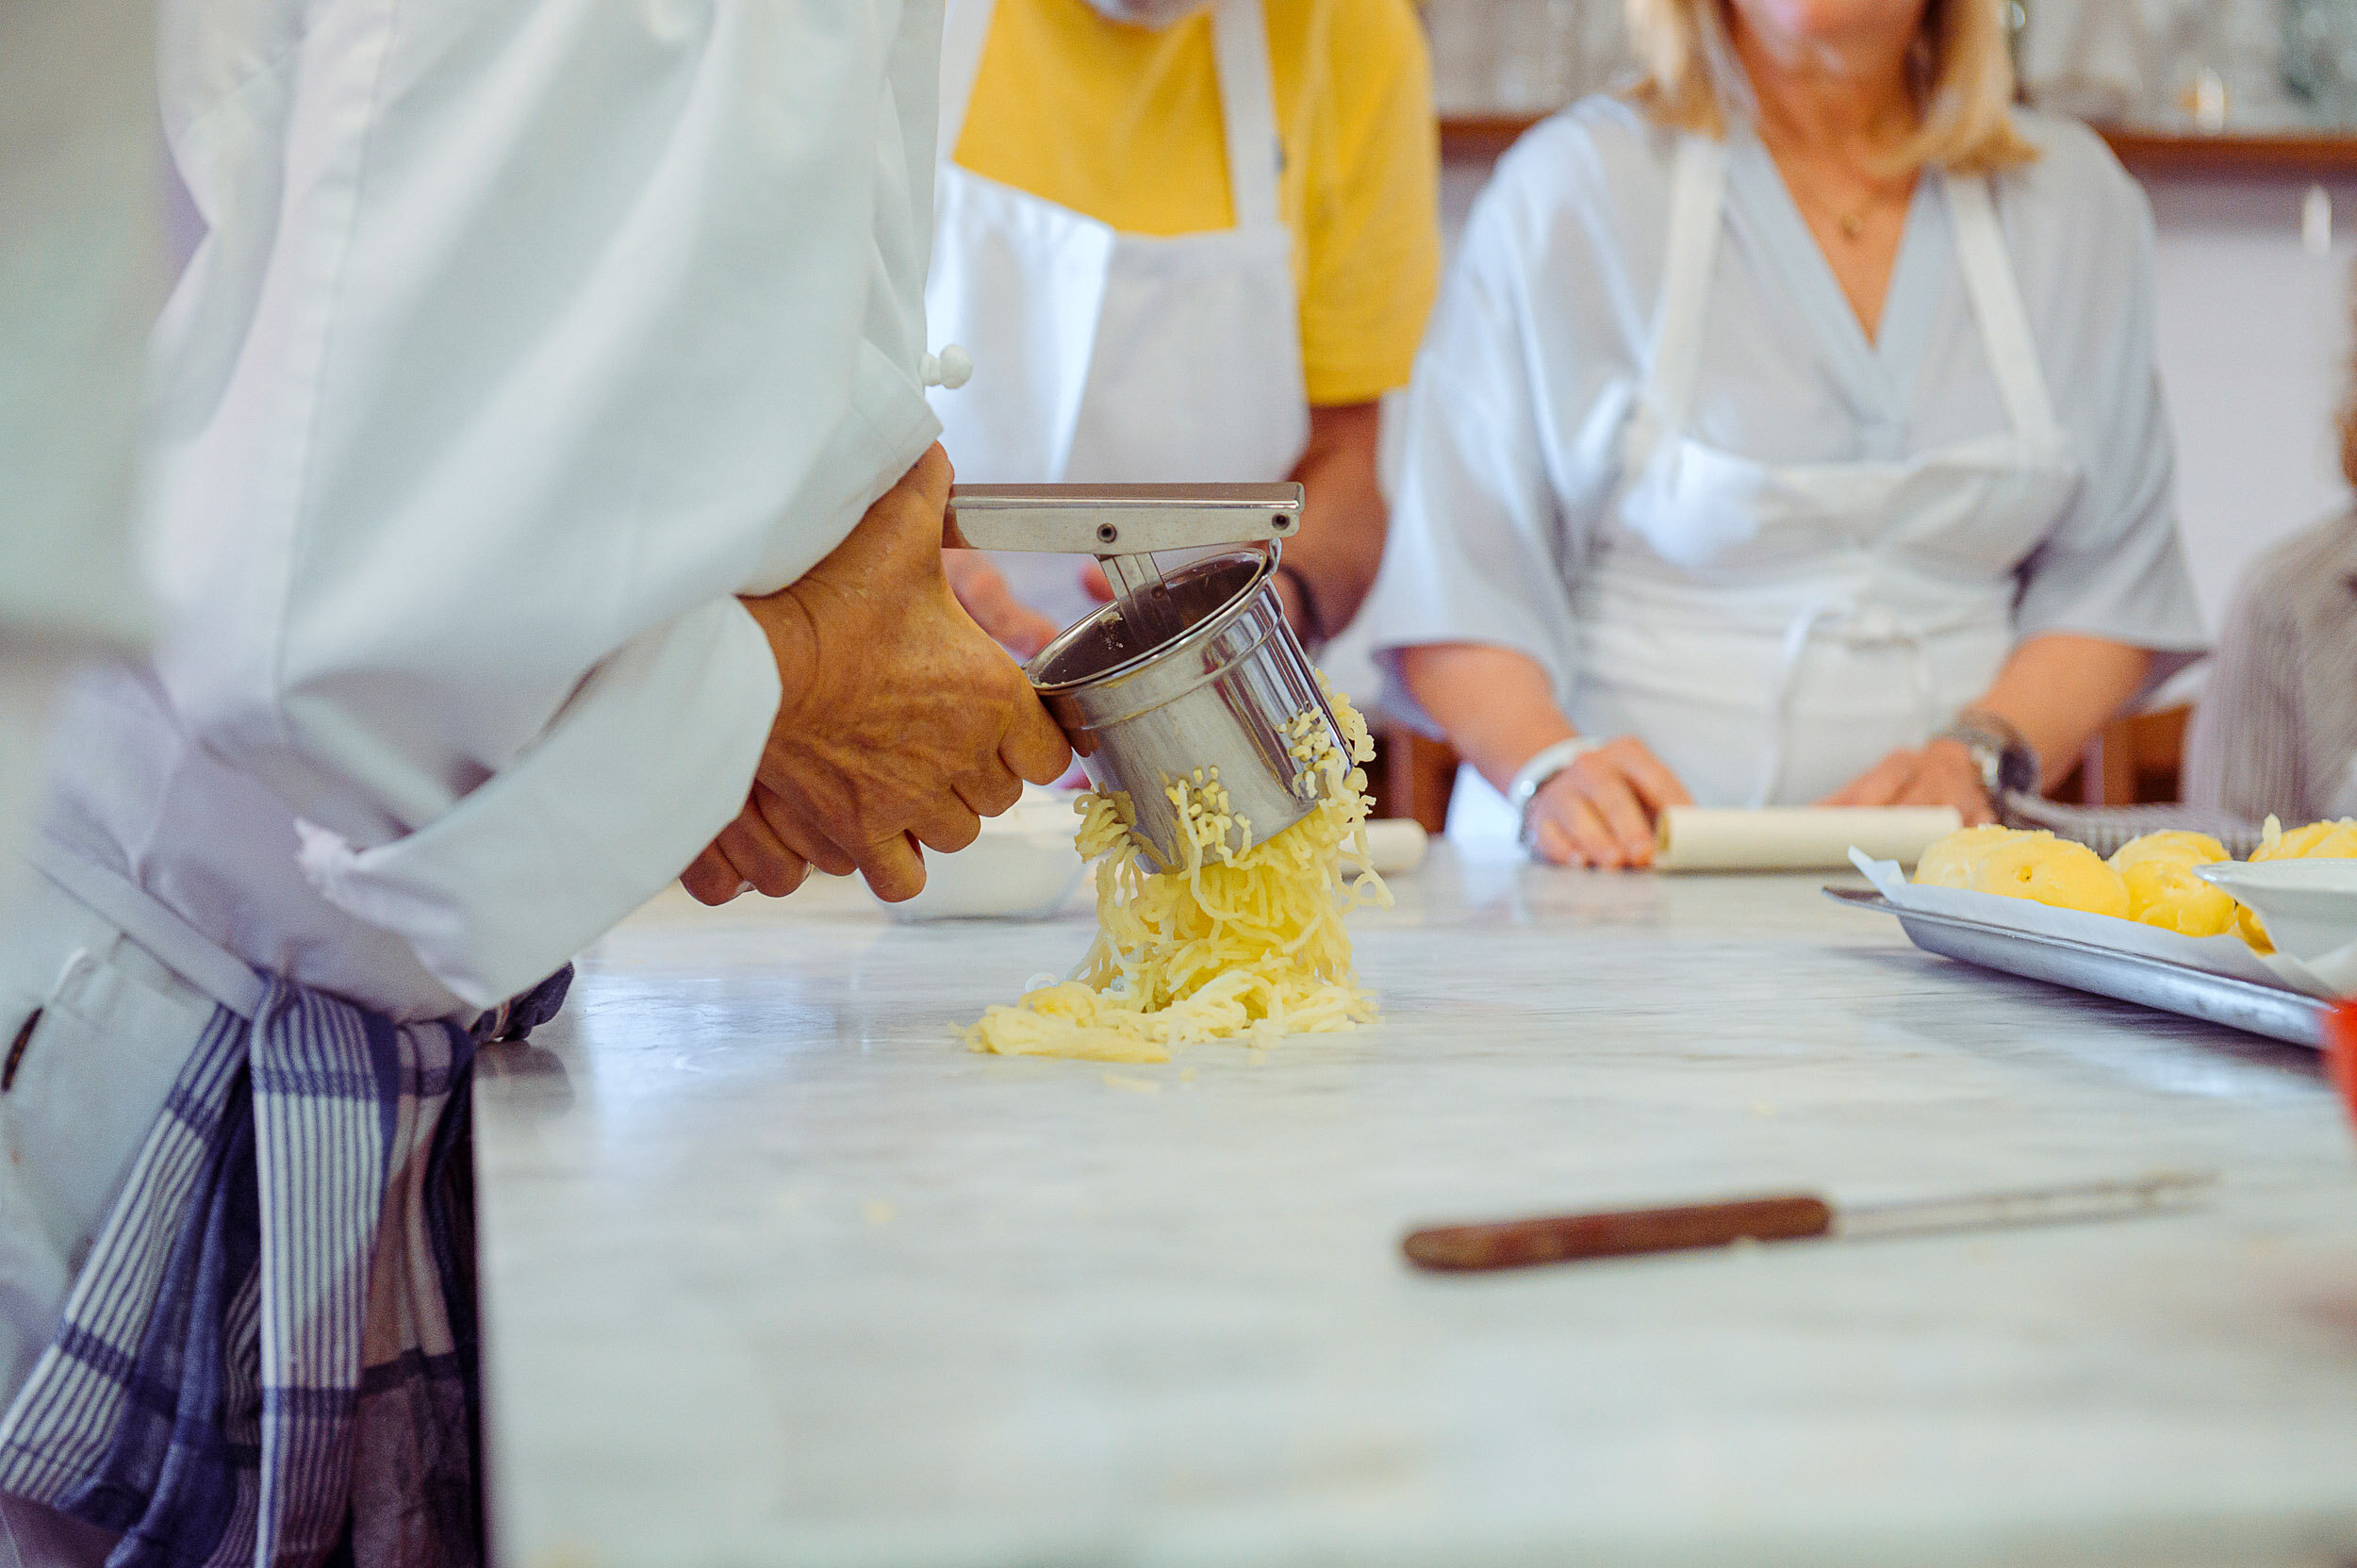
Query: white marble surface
pixel 775 1273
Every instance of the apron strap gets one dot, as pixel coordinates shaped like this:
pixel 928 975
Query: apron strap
pixel 1247 104
pixel 189 953
pixel 964 28
pixel 1697 186
pixel 1988 279
pixel 1853 624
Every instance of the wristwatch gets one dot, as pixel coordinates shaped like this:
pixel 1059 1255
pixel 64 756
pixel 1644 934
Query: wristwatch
pixel 2007 762
pixel 1533 775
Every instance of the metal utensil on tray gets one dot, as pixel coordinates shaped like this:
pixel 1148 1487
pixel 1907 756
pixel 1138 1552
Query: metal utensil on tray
pixel 1195 669
pixel 2104 829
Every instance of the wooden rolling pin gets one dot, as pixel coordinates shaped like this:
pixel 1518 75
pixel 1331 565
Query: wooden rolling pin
pixel 1565 1238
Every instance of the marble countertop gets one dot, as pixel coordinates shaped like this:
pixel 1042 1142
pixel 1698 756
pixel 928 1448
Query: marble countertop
pixel 774 1272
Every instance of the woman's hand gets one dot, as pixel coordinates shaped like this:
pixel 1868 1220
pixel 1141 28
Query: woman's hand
pixel 1940 774
pixel 1600 811
pixel 984 594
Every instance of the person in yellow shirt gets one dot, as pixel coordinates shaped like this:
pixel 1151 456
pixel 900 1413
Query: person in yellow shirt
pixel 1183 241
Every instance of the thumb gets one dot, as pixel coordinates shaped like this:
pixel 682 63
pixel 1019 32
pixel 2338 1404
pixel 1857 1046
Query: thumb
pixel 1035 748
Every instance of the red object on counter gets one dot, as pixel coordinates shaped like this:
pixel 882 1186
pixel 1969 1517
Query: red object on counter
pixel 2340 1052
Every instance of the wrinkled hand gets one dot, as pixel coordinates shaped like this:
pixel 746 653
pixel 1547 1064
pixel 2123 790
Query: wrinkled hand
pixel 1600 811
pixel 902 724
pixel 983 592
pixel 1940 774
pixel 747 857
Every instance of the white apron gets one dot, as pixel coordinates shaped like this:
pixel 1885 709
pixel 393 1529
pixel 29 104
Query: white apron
pixel 1102 356
pixel 1772 631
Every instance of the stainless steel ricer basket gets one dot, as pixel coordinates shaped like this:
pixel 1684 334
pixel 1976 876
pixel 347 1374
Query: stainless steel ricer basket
pixel 1194 672
pixel 1221 695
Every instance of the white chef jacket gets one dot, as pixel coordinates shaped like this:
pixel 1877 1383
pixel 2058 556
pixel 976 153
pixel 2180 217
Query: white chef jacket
pixel 518 336
pixel 1515 422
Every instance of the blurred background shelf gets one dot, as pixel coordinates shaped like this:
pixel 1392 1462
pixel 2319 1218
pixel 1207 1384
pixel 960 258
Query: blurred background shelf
pixel 2301 154
pixel 2305 155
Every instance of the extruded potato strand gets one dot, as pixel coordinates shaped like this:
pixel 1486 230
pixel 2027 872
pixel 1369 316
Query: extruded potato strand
pixel 1226 947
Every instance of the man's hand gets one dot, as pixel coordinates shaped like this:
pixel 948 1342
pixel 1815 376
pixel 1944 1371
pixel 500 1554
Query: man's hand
pixel 1600 811
pixel 747 857
pixel 986 596
pixel 902 724
pixel 1940 774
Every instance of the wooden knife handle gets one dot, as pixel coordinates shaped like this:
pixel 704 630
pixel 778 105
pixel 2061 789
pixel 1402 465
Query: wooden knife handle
pixel 1516 1243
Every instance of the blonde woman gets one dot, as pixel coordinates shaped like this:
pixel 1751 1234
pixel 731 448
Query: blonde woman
pixel 1787 431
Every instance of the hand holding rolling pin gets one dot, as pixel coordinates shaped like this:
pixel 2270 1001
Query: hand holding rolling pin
pixel 1941 773
pixel 902 724
pixel 1600 808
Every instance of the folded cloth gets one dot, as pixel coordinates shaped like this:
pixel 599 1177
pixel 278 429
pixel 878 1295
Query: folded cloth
pixel 270 1356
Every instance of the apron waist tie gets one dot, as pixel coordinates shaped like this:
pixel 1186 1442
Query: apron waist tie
pixel 213 969
pixel 1858 626
pixel 195 957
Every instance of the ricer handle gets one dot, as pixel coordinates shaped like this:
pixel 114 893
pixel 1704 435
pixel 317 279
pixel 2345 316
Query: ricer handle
pixel 1119 519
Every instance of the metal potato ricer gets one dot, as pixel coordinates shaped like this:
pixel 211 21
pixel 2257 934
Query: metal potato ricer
pixel 1191 670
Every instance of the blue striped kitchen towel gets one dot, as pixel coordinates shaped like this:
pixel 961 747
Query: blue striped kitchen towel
pixel 268 1358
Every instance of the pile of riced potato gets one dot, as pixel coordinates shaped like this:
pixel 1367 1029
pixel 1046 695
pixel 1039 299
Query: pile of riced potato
pixel 2148 880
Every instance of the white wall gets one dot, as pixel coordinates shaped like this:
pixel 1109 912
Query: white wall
pixel 2254 343
pixel 2254 353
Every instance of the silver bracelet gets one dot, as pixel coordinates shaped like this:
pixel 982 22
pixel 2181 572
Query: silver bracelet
pixel 1533 775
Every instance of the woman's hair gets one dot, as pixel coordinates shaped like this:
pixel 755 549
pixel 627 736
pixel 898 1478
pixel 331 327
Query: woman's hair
pixel 1961 70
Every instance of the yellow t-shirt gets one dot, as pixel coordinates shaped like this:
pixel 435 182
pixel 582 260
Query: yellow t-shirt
pixel 1123 123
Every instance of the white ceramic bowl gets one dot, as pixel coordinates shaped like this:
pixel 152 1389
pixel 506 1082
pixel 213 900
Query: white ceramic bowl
pixel 2310 906
pixel 1396 845
pixel 1022 867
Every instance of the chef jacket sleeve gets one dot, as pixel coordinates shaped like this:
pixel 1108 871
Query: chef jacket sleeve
pixel 521 339
pixel 2244 752
pixel 2276 722
pixel 1480 549
pixel 2113 567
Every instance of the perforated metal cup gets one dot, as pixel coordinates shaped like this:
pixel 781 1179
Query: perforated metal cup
pixel 1219 694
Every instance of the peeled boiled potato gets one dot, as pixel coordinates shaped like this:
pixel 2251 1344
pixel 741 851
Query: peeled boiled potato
pixel 2162 891
pixel 2055 872
pixel 2335 840
pixel 1951 860
pixel 2316 841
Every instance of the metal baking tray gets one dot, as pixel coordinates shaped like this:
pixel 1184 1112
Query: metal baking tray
pixel 2126 977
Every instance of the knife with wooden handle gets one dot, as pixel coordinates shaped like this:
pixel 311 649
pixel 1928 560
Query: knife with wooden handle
pixel 1623 1234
